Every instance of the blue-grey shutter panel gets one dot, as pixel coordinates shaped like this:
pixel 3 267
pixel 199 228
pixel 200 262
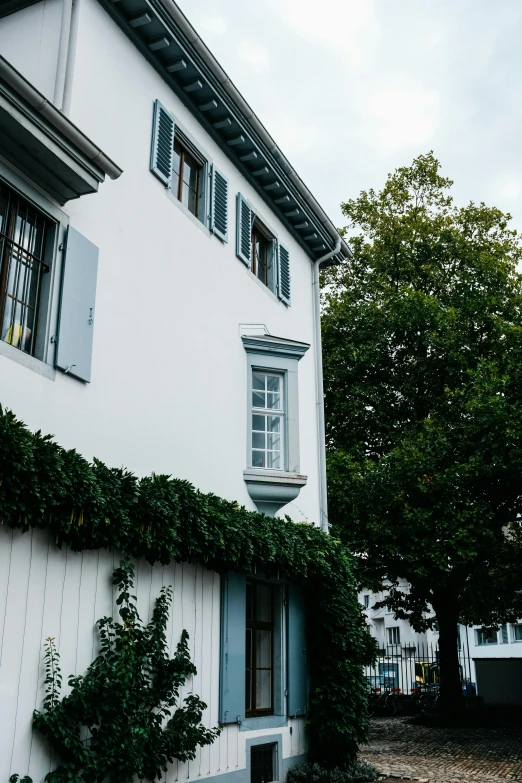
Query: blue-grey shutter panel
pixel 77 309
pixel 283 274
pixel 219 205
pixel 244 230
pixel 162 144
pixel 297 671
pixel 233 649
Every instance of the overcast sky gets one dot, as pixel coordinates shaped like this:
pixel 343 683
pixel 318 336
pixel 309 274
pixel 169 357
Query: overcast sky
pixel 351 89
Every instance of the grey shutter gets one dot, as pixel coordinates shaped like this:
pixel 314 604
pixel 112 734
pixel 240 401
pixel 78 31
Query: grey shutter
pixel 233 652
pixel 297 672
pixel 219 205
pixel 244 230
pixel 162 144
pixel 78 296
pixel 283 273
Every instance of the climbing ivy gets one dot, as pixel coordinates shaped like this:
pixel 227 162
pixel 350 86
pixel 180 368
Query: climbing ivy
pixel 121 718
pixel 91 506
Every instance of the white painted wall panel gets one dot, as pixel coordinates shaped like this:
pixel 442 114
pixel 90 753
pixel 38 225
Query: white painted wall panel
pixel 45 592
pixel 29 40
pixel 169 386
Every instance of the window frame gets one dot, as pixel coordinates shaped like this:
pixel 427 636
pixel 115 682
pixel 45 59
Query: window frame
pixel 198 152
pixel 366 600
pixel 260 228
pixel 481 639
pixel 43 360
pixel 281 413
pixel 254 625
pixel 514 626
pixel 395 628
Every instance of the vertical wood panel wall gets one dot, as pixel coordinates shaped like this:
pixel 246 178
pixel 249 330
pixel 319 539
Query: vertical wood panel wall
pixel 45 591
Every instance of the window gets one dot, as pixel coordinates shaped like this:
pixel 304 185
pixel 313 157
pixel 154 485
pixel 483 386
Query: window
pixel 486 636
pixel 394 635
pixel 267 420
pixel 258 248
pixel 517 632
pixel 188 174
pixel 259 672
pixel 23 236
pixel 504 638
pixel 262 763
pixel 366 601
pixel 187 178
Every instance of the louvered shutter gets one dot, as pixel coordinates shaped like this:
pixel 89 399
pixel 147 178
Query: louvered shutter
pixel 75 333
pixel 233 649
pixel 219 205
pixel 283 273
pixel 162 144
pixel 297 671
pixel 244 230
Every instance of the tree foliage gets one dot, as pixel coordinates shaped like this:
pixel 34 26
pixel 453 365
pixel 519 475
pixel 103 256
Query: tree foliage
pixel 91 506
pixel 122 718
pixel 422 333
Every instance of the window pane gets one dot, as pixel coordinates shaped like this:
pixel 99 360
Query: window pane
pixel 249 648
pixel 258 440
pixel 273 459
pixel 274 423
pixel 517 632
pixel 248 689
pixel 258 459
pixel 258 399
pixel 273 401
pixel 273 383
pixel 258 381
pixel 263 689
pixel 264 605
pixel 264 649
pixel 274 441
pixel 258 423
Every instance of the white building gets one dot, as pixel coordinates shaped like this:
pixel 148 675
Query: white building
pixel 167 322
pixel 491 658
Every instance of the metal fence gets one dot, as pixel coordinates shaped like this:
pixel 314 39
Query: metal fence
pixel 409 675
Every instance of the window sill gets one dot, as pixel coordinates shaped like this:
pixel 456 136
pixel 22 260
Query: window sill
pixel 272 489
pixel 27 361
pixel 268 722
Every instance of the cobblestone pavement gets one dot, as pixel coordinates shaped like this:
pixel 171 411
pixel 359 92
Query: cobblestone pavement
pixel 452 755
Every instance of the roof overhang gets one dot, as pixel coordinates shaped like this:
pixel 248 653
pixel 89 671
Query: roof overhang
pixel 44 145
pixel 163 34
pixel 10 6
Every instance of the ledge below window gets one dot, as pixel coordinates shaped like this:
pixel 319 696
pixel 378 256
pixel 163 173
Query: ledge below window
pixel 272 489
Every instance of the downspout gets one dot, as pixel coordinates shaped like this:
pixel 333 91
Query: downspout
pixel 71 58
pixel 319 391
pixel 63 53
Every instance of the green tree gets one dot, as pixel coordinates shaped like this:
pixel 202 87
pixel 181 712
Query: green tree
pixel 422 334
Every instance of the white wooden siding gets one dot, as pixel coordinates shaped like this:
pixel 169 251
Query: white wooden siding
pixel 45 591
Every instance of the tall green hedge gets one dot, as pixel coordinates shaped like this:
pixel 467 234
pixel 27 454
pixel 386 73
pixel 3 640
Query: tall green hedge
pixel 91 506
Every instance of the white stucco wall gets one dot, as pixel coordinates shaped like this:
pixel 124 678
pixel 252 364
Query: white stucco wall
pixel 46 592
pixel 29 40
pixel 168 390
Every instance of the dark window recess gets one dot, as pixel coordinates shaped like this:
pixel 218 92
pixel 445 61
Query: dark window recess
pixel 260 258
pixel 259 674
pixel 262 763
pixel 186 178
pixel 23 233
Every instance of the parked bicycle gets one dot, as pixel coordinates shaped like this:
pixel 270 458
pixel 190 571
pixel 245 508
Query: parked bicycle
pixel 382 702
pixel 425 696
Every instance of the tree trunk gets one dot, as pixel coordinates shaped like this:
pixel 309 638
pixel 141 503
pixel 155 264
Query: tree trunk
pixel 451 699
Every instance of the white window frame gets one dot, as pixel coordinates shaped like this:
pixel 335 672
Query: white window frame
pixel 391 632
pixel 513 627
pixel 366 601
pixel 279 412
pixel 481 633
